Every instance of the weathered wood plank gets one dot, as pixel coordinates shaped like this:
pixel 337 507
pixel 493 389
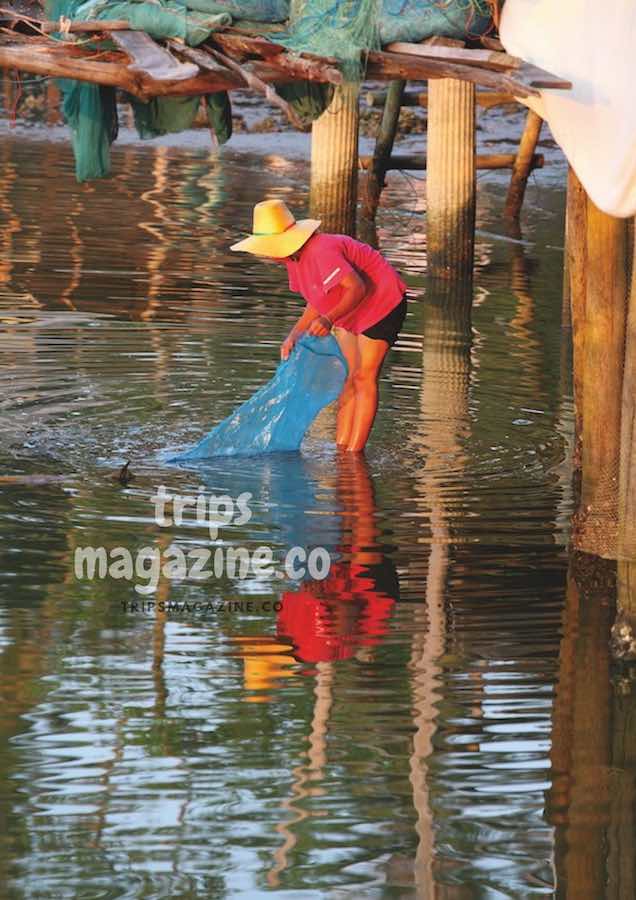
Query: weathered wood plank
pixel 150 59
pixel 489 59
pixel 411 67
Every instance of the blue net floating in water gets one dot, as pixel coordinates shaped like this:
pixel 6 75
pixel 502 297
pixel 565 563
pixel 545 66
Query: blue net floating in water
pixel 277 416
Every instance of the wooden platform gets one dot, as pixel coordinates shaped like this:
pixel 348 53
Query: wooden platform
pixel 235 58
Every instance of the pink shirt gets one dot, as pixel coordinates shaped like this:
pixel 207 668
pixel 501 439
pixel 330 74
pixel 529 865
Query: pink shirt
pixel 323 263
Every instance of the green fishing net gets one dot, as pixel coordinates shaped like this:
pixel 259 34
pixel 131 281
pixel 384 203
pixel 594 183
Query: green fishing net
pixel 91 111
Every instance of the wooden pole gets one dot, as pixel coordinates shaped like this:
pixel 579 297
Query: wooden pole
pixel 334 162
pixel 523 165
pixel 627 483
pixel 624 630
pixel 603 358
pixel 418 163
pixel 450 184
pixel 576 265
pixel 381 157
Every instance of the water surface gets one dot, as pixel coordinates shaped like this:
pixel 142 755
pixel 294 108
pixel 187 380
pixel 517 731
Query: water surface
pixel 390 731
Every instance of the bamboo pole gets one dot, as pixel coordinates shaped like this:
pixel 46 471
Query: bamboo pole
pixel 523 165
pixel 450 185
pixel 381 158
pixel 603 358
pixel 334 162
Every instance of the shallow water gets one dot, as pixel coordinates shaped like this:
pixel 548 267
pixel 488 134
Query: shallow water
pixel 390 731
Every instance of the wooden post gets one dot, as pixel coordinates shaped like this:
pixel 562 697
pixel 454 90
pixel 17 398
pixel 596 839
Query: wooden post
pixel 523 165
pixel 627 488
pixel 380 160
pixel 450 184
pixel 624 630
pixel 334 162
pixel 603 357
pixel 576 265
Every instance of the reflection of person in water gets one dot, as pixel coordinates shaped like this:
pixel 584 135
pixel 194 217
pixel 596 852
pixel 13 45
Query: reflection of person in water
pixel 350 609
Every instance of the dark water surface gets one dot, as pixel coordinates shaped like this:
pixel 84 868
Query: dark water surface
pixel 391 731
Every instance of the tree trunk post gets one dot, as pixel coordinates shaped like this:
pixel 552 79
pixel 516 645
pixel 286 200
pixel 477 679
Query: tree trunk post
pixel 334 162
pixel 380 160
pixel 523 165
pixel 450 182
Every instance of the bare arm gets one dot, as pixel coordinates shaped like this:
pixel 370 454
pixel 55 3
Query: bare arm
pixel 353 293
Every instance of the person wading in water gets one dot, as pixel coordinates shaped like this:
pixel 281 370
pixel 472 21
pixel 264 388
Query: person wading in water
pixel 350 289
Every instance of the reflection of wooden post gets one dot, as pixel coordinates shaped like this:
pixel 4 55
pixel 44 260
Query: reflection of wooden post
pixel 599 338
pixel 580 755
pixel 380 161
pixel 450 183
pixel 621 835
pixel 334 162
pixel 523 165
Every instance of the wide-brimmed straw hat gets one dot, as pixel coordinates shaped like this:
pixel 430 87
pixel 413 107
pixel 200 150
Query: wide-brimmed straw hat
pixel 276 232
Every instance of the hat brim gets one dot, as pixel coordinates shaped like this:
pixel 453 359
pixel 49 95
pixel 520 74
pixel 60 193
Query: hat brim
pixel 281 245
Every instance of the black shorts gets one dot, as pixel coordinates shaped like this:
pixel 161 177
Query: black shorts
pixel 388 328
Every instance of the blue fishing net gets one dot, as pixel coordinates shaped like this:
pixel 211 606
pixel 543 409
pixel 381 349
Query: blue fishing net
pixel 277 416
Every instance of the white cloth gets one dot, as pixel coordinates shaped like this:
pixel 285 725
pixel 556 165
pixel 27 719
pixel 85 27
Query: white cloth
pixel 593 45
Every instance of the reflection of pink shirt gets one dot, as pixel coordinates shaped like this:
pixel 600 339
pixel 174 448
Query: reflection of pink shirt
pixel 323 263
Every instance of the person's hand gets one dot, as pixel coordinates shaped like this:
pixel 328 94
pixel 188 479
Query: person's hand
pixel 287 346
pixel 320 326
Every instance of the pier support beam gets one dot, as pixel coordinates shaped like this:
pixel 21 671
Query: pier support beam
pixel 575 265
pixel 334 162
pixel 602 361
pixel 450 183
pixel 596 252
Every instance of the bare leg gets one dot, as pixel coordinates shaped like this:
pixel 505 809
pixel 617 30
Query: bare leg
pixel 365 385
pixel 348 344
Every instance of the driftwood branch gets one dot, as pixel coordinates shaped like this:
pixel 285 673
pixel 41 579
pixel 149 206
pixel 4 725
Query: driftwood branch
pixel 306 66
pixel 205 59
pixel 50 27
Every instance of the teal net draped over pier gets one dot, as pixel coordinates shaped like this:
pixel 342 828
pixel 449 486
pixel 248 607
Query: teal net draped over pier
pixel 277 416
pixel 344 29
